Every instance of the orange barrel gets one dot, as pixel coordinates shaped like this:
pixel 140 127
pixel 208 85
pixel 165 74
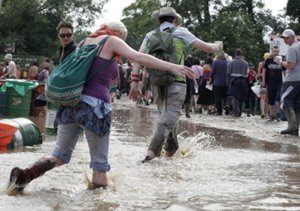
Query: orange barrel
pixel 27 133
pixel 7 133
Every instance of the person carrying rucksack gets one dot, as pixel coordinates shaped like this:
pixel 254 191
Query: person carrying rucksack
pixel 167 41
pixel 93 113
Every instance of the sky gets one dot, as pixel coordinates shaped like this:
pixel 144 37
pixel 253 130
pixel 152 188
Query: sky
pixel 114 7
pixel 276 6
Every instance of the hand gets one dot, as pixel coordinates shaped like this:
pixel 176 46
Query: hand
pixel 134 92
pixel 183 71
pixel 278 59
pixel 219 45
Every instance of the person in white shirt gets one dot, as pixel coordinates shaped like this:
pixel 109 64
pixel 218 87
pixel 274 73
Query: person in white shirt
pixel 12 68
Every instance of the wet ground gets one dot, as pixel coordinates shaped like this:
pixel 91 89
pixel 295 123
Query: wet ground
pixel 223 163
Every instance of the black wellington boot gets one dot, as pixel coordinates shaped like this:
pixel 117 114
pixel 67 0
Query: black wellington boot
pixel 292 122
pixel 187 112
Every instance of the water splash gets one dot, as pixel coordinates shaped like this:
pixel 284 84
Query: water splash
pixel 201 141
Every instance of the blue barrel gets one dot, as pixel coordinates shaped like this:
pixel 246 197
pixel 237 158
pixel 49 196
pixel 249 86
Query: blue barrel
pixel 3 103
pixel 28 134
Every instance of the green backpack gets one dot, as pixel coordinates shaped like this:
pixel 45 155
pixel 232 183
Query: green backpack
pixel 161 46
pixel 66 82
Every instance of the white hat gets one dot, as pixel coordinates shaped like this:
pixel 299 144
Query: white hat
pixel 8 56
pixel 167 11
pixel 288 33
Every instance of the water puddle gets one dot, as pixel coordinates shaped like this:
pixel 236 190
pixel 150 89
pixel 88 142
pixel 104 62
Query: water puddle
pixel 213 170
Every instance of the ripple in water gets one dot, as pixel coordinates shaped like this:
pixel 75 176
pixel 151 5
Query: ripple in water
pixel 202 175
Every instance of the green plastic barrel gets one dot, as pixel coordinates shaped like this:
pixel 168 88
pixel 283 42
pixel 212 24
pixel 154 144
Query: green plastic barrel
pixel 3 103
pixel 50 119
pixel 17 105
pixel 27 134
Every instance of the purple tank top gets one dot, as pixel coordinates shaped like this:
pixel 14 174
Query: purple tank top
pixel 98 86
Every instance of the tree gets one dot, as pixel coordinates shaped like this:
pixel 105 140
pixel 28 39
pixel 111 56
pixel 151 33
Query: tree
pixel 138 21
pixel 31 24
pixel 293 10
pixel 240 26
pixel 239 23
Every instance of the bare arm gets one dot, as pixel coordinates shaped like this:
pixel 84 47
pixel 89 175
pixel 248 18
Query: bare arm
pixel 260 70
pixel 9 71
pixel 136 66
pixel 263 76
pixel 207 47
pixel 288 65
pixel 11 68
pixel 121 48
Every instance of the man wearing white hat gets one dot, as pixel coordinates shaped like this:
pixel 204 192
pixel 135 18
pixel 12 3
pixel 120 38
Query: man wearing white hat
pixel 12 68
pixel 290 94
pixel 169 103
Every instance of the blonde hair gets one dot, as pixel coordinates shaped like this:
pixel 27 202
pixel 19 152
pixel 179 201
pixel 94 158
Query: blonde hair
pixel 221 55
pixel 117 26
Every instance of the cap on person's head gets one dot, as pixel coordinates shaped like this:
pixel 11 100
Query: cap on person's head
pixel 266 56
pixel 167 11
pixel 8 56
pixel 288 33
pixel 27 65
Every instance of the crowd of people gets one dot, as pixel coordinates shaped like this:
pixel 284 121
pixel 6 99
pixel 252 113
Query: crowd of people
pixel 214 89
pixel 33 71
pixel 216 85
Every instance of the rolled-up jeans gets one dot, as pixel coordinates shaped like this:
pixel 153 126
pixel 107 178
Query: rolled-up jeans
pixel 169 107
pixel 67 136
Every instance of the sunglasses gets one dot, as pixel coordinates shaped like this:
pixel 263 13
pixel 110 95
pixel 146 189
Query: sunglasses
pixel 62 35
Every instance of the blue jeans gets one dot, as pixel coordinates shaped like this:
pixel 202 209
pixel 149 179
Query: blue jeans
pixel 289 93
pixel 67 136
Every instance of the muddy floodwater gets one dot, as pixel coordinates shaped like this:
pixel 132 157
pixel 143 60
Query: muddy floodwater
pixel 238 168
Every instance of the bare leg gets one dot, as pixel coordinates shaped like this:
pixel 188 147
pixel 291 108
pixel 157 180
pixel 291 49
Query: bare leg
pixel 263 105
pixel 99 180
pixel 272 112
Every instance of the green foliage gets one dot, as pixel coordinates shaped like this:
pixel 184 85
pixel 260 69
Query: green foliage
pixel 293 10
pixel 79 35
pixel 31 24
pixel 240 27
pixel 239 23
pixel 138 20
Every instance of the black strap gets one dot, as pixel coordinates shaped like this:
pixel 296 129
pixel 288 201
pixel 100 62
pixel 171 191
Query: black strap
pixel 100 67
pixel 101 44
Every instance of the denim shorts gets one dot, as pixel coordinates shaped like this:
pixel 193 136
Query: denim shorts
pixel 67 136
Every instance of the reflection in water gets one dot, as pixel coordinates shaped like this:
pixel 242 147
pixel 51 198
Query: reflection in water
pixel 213 169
